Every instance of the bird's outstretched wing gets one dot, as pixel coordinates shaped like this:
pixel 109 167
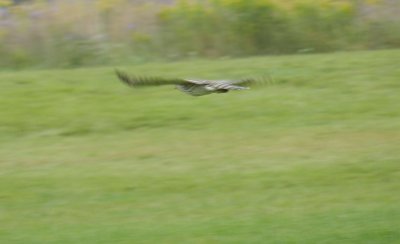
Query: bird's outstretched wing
pixel 254 81
pixel 137 81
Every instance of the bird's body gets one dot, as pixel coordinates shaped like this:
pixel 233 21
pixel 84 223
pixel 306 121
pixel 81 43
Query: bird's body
pixel 194 90
pixel 192 87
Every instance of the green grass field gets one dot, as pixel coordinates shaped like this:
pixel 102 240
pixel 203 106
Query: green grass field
pixel 312 158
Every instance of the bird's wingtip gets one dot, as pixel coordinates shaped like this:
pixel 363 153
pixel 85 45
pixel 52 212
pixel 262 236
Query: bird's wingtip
pixel 123 77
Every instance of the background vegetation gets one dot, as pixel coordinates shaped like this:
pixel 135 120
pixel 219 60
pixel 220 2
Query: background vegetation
pixel 311 159
pixel 74 33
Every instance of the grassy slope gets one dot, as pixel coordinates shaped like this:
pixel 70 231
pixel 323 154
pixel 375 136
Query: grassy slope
pixel 312 159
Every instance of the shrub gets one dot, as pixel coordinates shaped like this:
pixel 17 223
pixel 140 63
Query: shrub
pixel 75 33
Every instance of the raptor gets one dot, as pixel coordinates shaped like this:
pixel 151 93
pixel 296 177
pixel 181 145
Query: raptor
pixel 194 87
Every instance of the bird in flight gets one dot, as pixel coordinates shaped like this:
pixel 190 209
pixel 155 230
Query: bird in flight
pixel 192 87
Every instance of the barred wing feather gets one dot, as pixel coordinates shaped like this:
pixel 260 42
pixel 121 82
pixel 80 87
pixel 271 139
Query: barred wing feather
pixel 137 81
pixel 227 85
pixel 194 87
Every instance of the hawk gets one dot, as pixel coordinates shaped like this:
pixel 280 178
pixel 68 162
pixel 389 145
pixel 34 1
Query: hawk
pixel 192 87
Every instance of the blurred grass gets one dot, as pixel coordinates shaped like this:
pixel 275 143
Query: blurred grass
pixel 311 159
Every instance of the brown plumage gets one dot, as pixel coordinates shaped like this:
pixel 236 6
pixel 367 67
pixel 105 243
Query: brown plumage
pixel 192 87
